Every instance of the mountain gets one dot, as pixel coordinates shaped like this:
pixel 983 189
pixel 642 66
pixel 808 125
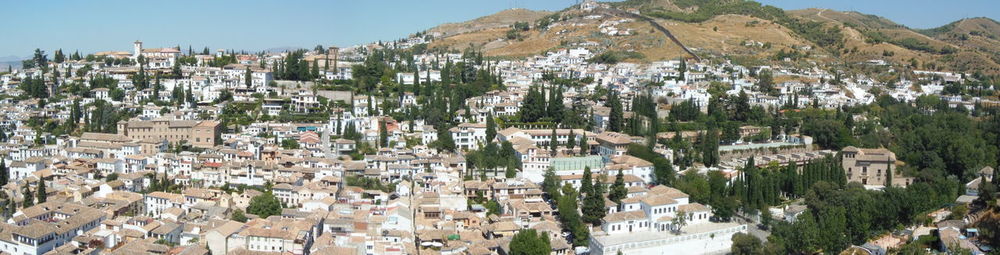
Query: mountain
pixel 743 31
pixel 282 49
pixel 10 58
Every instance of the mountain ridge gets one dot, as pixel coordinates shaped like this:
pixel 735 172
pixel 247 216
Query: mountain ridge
pixel 743 30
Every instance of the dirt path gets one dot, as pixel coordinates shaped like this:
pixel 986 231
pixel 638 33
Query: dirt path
pixel 655 25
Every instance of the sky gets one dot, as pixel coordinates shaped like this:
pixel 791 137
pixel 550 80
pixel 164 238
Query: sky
pixel 90 26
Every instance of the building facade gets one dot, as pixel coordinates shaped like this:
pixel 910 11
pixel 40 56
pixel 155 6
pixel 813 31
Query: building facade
pixel 871 167
pixel 204 134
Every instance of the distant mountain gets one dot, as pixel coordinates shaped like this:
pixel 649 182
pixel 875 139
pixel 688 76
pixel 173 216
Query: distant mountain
pixel 740 30
pixel 282 49
pixel 10 58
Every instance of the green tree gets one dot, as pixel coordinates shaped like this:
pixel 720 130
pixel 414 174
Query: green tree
pixel 511 172
pixel 444 141
pixel 42 195
pixel 584 146
pixel 533 107
pixel 550 183
pixel 765 82
pixel 59 56
pixel 710 148
pixel 679 221
pixel 555 108
pixel 593 205
pixel 746 244
pixel 248 77
pixel 29 200
pixel 618 190
pixel 383 134
pixel 586 184
pixel 616 120
pixel 569 215
pixel 4 172
pixel 238 215
pixel 571 141
pixel 289 144
pixel 111 177
pixel 491 128
pixel 265 205
pixel 530 242
pixel 553 142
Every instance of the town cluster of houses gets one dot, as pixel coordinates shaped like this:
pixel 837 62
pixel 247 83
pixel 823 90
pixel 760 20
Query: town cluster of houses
pixel 100 186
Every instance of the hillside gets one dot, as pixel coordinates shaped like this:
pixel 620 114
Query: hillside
pixel 739 30
pixel 500 19
pixel 963 45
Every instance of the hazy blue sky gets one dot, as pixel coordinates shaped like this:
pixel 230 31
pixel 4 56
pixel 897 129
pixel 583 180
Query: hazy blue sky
pixel 91 26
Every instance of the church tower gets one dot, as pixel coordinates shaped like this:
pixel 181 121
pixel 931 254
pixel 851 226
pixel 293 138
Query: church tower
pixel 137 48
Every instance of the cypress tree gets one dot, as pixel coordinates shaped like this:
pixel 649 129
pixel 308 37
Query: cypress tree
pixel 571 141
pixel 586 184
pixel 553 142
pixel 710 148
pixel 616 119
pixel 416 83
pixel 555 107
pixel 550 183
pixel 593 205
pixel 383 134
pixel 584 146
pixel 29 200
pixel 618 190
pixel 4 172
pixel 511 171
pixel 491 128
pixel 42 195
pixel 248 77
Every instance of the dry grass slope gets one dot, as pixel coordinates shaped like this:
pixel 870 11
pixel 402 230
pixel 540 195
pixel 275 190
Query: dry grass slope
pixel 738 35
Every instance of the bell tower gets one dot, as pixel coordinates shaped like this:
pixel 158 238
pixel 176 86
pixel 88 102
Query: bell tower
pixel 137 49
pixel 336 54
